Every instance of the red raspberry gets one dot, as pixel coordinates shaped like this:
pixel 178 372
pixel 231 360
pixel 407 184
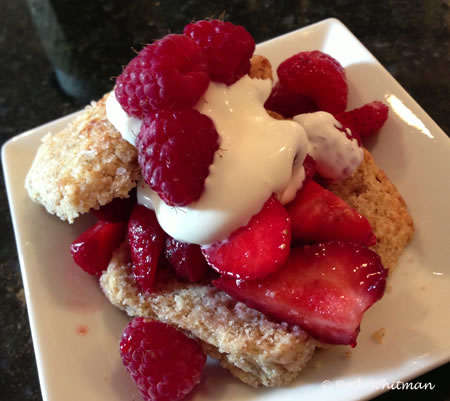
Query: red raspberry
pixel 365 120
pixel 146 240
pixel 187 259
pixel 228 48
pixel 176 148
pixel 317 76
pixel 287 103
pixel 93 249
pixel 164 363
pixel 169 73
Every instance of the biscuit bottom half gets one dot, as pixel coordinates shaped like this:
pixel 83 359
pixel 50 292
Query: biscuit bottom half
pixel 256 350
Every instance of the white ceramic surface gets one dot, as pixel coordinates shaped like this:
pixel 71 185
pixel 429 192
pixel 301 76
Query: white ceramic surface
pixel 76 332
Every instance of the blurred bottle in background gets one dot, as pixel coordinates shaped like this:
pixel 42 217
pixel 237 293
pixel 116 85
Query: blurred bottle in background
pixel 88 42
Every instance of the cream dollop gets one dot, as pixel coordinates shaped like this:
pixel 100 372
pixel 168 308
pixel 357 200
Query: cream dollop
pixel 128 126
pixel 337 157
pixel 258 156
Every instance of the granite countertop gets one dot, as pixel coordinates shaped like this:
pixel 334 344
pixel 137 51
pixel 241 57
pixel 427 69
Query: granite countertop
pixel 56 55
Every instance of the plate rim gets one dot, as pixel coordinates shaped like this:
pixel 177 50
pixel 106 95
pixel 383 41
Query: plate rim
pixel 7 146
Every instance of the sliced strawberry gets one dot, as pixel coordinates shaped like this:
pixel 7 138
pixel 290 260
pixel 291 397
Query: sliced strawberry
pixel 93 249
pixel 187 259
pixel 146 239
pixel 257 249
pixel 319 215
pixel 365 120
pixel 164 272
pixel 119 209
pixel 323 288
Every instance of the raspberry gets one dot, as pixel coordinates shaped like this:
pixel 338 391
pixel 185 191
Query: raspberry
pixel 228 48
pixel 93 249
pixel 187 259
pixel 169 73
pixel 176 148
pixel 164 363
pixel 365 120
pixel 287 103
pixel 146 240
pixel 317 76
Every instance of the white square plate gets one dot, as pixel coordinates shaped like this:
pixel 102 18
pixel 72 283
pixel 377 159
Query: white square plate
pixel 76 332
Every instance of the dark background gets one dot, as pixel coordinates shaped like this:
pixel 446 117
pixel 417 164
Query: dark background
pixel 55 55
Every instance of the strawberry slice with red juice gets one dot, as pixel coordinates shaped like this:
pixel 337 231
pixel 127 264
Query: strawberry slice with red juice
pixel 93 249
pixel 319 215
pixel 187 259
pixel 324 288
pixel 146 240
pixel 257 249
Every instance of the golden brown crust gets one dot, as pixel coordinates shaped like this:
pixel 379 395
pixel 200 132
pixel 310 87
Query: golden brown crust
pixel 84 166
pixel 255 349
pixel 371 193
pixel 260 68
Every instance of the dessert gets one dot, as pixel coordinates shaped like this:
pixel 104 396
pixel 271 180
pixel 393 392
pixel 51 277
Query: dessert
pixel 227 328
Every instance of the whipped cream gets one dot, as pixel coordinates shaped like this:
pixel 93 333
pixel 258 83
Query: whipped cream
pixel 128 126
pixel 337 156
pixel 258 156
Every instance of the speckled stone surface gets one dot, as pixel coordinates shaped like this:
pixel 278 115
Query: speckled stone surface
pixel 58 54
